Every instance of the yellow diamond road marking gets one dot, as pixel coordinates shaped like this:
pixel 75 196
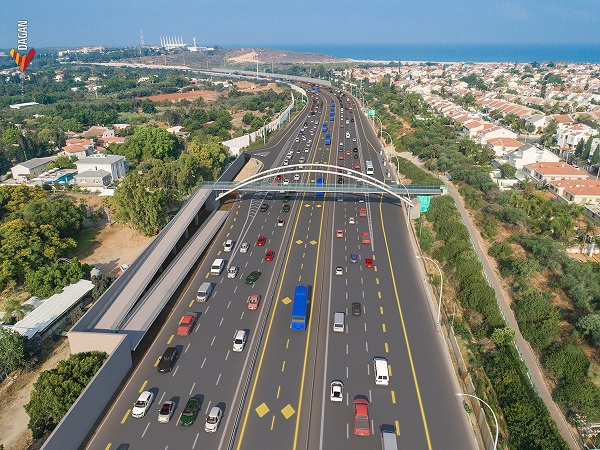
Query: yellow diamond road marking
pixel 286 300
pixel 306 205
pixel 313 242
pixel 299 241
pixel 262 409
pixel 318 206
pixel 288 411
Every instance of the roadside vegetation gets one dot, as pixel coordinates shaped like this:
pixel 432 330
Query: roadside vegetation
pixel 556 298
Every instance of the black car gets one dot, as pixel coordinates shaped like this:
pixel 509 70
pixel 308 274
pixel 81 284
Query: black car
pixel 356 309
pixel 340 180
pixel 264 207
pixel 167 360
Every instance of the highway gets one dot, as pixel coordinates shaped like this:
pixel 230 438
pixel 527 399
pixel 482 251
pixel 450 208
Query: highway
pixel 283 375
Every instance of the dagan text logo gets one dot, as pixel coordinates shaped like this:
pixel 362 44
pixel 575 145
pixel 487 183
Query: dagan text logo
pixel 22 60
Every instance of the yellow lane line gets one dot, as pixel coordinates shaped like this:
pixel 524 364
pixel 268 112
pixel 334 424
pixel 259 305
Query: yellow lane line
pixel 397 428
pixel 283 366
pixel 170 339
pixel 125 416
pixel 393 397
pixel 387 349
pixel 383 327
pixel 143 386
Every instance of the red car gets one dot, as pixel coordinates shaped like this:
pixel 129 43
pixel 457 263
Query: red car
pixel 278 178
pixel 362 212
pixel 186 324
pixel 269 255
pixel 362 426
pixel 253 301
pixel 341 156
pixel 366 238
pixel 261 241
pixel 369 262
pixel 356 166
pixel 339 233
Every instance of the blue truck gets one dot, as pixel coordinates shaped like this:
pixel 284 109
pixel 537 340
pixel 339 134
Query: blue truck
pixel 320 183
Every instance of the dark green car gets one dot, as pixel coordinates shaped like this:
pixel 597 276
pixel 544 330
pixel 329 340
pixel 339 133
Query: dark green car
pixel 253 277
pixel 286 208
pixel 286 199
pixel 192 408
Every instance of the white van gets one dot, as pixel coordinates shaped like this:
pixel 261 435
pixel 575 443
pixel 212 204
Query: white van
pixel 339 322
pixel 380 369
pixel 204 292
pixel 217 266
pixel 388 440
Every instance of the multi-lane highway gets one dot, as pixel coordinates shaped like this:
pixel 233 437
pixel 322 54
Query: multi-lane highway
pixel 274 394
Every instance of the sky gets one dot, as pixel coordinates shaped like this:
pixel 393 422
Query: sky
pixel 254 23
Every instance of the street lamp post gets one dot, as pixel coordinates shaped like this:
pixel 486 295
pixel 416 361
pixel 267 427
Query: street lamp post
pixel 264 131
pixel 380 126
pixel 437 323
pixel 459 394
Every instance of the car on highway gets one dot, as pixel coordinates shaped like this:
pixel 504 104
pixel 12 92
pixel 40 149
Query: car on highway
pixel 296 177
pixel 369 262
pixel 355 149
pixel 353 258
pixel 269 255
pixel 228 245
pixel 340 156
pixel 286 181
pixel 261 241
pixel 244 247
pixel 186 324
pixel 302 159
pixel 339 233
pixel 365 237
pixel 280 222
pixel 339 270
pixel 285 208
pixel 351 221
pixel 253 277
pixel 239 340
pixel 353 139
pixel 361 199
pixel 362 426
pixel 142 404
pixel 355 156
pixel 277 178
pixel 167 360
pixel 336 391
pixel 166 412
pixel 213 419
pixel 190 412
pixel 356 308
pixel 356 165
pixel 362 212
pixel 285 162
pixel 264 207
pixel 253 301
pixel 232 272
pixel 286 199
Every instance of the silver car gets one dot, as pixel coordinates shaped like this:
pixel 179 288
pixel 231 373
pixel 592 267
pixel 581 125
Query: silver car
pixel 213 419
pixel 244 247
pixel 239 340
pixel 166 412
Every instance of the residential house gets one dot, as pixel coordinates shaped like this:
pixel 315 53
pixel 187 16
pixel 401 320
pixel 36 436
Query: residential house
pixel 539 121
pixel 568 136
pixel 105 142
pixel 494 132
pixel 100 132
pixel 528 154
pixel 501 146
pixel 24 170
pixel 549 171
pixel 115 165
pixel 93 178
pixel 471 129
pixel 576 191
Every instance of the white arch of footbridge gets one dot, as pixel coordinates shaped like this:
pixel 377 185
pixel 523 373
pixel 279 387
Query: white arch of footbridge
pixel 318 168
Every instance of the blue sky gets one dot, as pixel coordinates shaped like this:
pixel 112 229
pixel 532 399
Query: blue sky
pixel 249 23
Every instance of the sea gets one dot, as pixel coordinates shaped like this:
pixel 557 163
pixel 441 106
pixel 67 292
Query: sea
pixel 526 53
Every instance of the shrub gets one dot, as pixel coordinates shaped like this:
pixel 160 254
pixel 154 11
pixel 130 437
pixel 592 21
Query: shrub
pixel 500 250
pixel 582 396
pixel 567 362
pixel 537 318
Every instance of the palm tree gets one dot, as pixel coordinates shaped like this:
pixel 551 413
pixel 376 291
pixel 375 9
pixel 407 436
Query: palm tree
pixel 13 308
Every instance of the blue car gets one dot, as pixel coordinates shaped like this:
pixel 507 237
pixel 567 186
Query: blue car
pixel 353 258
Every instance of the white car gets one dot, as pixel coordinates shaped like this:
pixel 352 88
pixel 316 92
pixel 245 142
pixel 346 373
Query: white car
pixel 351 221
pixel 244 248
pixel 232 272
pixel 142 405
pixel 306 150
pixel 166 412
pixel 280 223
pixel 239 340
pixel 339 270
pixel 337 391
pixel 228 245
pixel 213 419
pixel 296 177
pixel 285 162
pixel 302 159
pixel 286 181
pixel 353 139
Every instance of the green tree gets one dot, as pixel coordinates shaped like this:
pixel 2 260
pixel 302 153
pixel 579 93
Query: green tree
pixel 15 310
pixel 101 284
pixel 596 156
pixel 579 148
pixel 568 362
pixel 587 148
pixel 57 389
pixel 507 171
pixel 12 350
pixel 582 396
pixel 503 336
pixel 151 143
pixel 148 107
pixel 248 118
pixel 63 162
pixel 60 213
pixel 15 198
pixel 51 279
pixel 590 326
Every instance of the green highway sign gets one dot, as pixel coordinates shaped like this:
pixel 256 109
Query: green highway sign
pixel 371 113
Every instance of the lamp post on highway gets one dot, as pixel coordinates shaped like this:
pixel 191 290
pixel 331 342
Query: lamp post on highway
pixel 437 323
pixel 380 125
pixel 459 394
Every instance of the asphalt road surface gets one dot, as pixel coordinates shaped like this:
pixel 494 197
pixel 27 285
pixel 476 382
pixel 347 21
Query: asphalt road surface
pixel 275 393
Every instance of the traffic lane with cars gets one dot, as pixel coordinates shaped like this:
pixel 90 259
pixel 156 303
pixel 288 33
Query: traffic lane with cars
pixel 145 375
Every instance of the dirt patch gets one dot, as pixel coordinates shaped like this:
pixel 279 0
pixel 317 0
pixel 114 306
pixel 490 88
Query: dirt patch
pixel 208 96
pixel 246 57
pixel 15 393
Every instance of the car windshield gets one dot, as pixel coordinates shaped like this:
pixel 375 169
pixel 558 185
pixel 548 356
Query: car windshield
pixel 164 409
pixel 211 419
pixel 140 404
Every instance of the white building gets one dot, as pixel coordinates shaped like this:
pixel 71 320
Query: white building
pixel 115 165
pixel 24 170
pixel 528 154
